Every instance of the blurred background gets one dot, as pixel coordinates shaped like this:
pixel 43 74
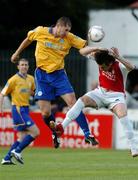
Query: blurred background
pixel 118 18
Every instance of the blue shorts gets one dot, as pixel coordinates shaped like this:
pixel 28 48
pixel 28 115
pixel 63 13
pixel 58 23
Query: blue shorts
pixel 21 118
pixel 51 85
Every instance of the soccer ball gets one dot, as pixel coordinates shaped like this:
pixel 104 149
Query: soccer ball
pixel 96 33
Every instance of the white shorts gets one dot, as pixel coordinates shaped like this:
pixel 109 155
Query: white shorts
pixel 104 98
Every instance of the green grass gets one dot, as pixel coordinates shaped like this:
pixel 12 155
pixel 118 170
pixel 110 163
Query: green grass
pixel 71 164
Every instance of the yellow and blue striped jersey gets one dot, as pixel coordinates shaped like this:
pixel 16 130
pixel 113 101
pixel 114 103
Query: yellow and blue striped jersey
pixel 50 51
pixel 20 89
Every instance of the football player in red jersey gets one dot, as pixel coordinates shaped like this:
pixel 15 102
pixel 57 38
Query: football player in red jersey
pixel 110 93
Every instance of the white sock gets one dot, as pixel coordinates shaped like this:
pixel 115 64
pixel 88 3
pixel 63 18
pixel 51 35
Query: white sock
pixel 128 128
pixel 73 113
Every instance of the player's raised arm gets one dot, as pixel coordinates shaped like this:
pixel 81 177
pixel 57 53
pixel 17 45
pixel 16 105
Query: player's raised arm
pixel 114 51
pixel 15 56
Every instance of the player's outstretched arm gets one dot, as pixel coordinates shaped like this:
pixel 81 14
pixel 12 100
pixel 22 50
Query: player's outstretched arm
pixel 15 56
pixel 88 50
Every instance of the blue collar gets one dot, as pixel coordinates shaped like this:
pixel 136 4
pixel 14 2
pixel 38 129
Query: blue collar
pixel 21 75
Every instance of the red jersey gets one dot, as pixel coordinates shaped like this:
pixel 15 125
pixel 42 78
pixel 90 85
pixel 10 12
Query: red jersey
pixel 114 79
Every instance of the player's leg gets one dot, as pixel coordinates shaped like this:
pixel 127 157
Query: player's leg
pixel 44 94
pixel 24 125
pixel 45 108
pixel 70 100
pixel 76 113
pixel 76 109
pixel 121 111
pixel 7 160
pixel 31 133
pixel 65 91
pixel 49 119
pixel 16 120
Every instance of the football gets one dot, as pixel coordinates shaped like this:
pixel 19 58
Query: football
pixel 96 33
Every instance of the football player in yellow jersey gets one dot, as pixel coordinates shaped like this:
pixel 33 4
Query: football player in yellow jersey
pixel 52 45
pixel 20 86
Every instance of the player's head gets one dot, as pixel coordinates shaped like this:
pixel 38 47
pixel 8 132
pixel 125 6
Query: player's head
pixel 23 66
pixel 63 26
pixel 104 59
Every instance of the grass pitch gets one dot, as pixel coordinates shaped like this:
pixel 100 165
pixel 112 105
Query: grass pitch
pixel 71 164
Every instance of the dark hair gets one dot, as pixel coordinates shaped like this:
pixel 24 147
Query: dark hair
pixel 64 21
pixel 22 59
pixel 103 57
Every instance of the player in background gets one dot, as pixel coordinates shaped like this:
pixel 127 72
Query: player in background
pixel 110 93
pixel 52 45
pixel 20 86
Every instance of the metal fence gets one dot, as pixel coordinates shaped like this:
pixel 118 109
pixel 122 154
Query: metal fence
pixel 75 66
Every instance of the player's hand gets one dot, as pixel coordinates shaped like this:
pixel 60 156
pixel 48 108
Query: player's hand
pixel 14 57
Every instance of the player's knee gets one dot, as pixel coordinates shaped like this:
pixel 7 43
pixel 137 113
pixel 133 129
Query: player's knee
pixel 45 113
pixel 88 101
pixel 36 134
pixel 45 110
pixel 71 102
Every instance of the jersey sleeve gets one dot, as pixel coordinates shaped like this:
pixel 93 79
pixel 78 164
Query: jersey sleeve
pixel 8 87
pixel 33 34
pixel 123 69
pixel 76 41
